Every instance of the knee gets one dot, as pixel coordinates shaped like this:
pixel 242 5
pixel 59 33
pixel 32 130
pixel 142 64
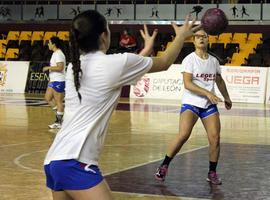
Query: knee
pixel 48 99
pixel 214 140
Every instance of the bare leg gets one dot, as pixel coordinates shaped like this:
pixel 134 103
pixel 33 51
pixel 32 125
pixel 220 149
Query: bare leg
pixel 59 97
pixel 186 124
pixel 61 195
pixel 100 192
pixel 49 97
pixel 212 127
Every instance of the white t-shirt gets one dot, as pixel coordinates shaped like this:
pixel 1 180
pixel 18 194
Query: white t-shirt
pixel 204 73
pixel 57 57
pixel 85 123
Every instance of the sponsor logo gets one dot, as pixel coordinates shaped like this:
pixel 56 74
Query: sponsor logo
pixel 210 110
pixel 3 74
pixel 142 87
pixel 206 77
pixel 88 169
pixel 244 80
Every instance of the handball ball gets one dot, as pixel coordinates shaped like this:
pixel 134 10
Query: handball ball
pixel 214 21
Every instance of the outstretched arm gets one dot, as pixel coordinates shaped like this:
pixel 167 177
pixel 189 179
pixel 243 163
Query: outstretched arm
pixel 171 53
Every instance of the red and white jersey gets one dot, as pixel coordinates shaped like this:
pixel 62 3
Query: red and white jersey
pixel 204 72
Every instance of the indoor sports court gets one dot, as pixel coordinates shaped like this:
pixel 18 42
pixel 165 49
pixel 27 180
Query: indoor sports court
pixel 146 118
pixel 138 134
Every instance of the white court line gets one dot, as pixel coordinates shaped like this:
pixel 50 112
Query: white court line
pixel 139 165
pixel 18 144
pixel 17 162
pixel 159 196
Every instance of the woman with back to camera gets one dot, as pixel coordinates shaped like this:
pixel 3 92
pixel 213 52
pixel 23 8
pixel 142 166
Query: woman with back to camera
pixel 93 86
pixel 200 73
pixel 56 88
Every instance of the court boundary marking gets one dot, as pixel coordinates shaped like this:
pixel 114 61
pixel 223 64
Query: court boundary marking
pixel 155 195
pixel 18 144
pixel 17 161
pixel 145 163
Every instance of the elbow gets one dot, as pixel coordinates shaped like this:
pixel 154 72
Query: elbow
pixel 187 86
pixel 166 64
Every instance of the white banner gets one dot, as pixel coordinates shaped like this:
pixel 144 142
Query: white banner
pixel 160 85
pixel 39 12
pixel 244 84
pixel 10 12
pixel 13 76
pixel 267 96
pixel 266 15
pixel 116 11
pixel 70 11
pixel 155 11
pixel 242 11
pixel 195 10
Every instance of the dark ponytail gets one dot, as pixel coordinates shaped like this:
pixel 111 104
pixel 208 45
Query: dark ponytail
pixel 85 31
pixel 76 63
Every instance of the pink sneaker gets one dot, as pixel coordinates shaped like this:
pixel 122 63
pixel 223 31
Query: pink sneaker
pixel 161 173
pixel 213 178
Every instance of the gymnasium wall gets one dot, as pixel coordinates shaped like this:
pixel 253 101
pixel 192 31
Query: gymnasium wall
pixel 245 84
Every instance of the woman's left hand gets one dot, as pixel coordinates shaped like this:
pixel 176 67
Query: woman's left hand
pixel 228 104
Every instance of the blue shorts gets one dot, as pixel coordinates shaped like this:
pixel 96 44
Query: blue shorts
pixel 71 175
pixel 201 112
pixel 57 86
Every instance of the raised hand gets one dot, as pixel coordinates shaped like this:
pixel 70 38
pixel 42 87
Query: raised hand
pixel 187 29
pixel 149 40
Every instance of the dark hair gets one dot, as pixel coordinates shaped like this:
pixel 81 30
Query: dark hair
pixel 85 31
pixel 57 42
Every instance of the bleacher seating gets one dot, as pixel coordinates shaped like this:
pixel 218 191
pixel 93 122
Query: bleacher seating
pixel 12 54
pixel 47 36
pixel 63 35
pixel 230 48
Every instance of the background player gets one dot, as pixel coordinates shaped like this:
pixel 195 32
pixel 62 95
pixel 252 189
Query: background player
pixel 200 73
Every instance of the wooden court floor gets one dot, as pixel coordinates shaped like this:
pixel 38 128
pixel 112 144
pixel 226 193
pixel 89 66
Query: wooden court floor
pixel 137 138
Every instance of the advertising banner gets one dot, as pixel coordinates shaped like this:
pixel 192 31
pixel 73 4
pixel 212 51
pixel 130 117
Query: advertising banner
pixel 267 95
pixel 116 11
pixel 70 11
pixel 155 11
pixel 37 81
pixel 160 85
pixel 245 84
pixel 13 76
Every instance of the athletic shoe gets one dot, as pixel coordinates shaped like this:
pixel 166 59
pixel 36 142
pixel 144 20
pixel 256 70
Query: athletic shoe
pixel 55 126
pixel 213 178
pixel 161 173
